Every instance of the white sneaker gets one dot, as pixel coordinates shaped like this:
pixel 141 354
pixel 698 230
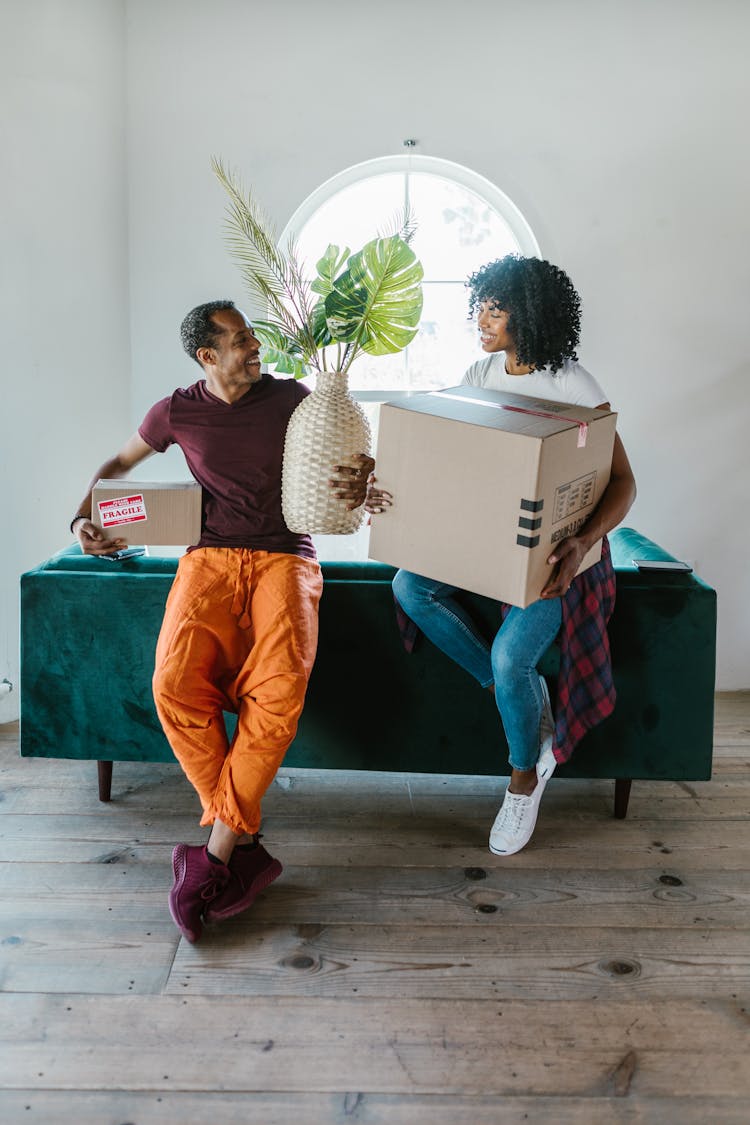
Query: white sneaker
pixel 514 824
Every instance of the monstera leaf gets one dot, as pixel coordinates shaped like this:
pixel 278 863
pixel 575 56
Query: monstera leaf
pixel 376 303
pixel 328 267
pixel 319 326
pixel 280 350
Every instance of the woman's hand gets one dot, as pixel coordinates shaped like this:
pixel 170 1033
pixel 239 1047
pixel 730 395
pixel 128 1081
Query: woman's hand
pixel 616 501
pixel 566 559
pixel 350 483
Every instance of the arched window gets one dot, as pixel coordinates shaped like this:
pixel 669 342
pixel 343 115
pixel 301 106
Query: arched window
pixel 463 221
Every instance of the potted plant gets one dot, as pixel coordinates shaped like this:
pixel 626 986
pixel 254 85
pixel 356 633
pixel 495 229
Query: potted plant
pixel 364 302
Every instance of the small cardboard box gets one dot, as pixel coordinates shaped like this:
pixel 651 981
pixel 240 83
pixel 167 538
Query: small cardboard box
pixel 484 484
pixel 167 513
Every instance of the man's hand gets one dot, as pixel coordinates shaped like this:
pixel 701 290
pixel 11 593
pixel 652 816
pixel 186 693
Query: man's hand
pixel 350 484
pixel 377 499
pixel 566 559
pixel 93 540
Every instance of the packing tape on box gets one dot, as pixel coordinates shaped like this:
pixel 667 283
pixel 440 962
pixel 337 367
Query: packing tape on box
pixel 583 427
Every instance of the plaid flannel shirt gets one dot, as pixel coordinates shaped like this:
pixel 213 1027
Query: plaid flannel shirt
pixel 585 688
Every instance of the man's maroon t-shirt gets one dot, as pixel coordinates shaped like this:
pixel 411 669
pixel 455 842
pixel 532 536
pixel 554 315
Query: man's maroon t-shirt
pixel 234 450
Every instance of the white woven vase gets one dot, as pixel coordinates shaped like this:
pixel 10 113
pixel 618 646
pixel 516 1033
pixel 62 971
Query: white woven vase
pixel 328 428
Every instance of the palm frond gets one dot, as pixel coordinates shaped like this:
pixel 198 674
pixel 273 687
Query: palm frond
pixel 403 223
pixel 304 302
pixel 272 276
pixel 370 301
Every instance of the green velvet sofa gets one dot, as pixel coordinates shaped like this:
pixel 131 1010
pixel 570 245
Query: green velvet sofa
pixel 89 629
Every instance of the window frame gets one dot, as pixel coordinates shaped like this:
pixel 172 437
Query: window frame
pixel 435 165
pixel 355 546
pixel 483 188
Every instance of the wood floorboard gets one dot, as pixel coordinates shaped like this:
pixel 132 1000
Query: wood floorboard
pixel 431 833
pixel 409 897
pixel 662 853
pixel 397 972
pixel 438 961
pixel 56 1107
pixel 108 960
pixel 727 794
pixel 119 954
pixel 382 1046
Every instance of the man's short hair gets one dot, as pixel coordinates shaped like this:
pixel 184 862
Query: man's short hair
pixel 198 330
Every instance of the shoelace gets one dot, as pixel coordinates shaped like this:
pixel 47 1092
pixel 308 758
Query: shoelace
pixel 212 887
pixel 513 811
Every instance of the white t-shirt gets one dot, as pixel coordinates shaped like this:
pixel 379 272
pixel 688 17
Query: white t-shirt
pixel 571 383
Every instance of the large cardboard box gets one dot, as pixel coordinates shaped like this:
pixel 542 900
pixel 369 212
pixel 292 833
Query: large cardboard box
pixel 167 513
pixel 484 485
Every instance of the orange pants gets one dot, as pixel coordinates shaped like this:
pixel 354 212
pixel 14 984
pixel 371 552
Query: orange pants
pixel 239 634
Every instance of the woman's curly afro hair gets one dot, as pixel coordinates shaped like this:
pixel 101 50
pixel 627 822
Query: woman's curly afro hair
pixel 544 310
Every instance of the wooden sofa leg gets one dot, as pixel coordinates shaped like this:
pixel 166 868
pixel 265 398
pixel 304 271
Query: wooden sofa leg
pixel 622 796
pixel 105 780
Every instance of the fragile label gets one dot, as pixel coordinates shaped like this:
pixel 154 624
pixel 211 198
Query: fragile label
pixel 123 509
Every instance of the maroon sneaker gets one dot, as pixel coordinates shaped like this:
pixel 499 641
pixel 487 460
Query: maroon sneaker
pixel 252 870
pixel 197 881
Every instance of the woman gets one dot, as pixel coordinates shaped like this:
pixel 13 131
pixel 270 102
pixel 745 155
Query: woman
pixel 528 316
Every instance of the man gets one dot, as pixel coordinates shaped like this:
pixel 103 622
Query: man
pixel 240 626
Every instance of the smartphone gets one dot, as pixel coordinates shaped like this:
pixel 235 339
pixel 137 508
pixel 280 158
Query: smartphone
pixel 125 553
pixel 663 565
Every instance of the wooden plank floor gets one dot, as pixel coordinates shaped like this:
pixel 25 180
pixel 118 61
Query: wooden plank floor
pixel 397 972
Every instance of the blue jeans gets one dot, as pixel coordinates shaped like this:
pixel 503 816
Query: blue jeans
pixel 509 663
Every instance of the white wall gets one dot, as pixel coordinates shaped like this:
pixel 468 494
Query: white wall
pixel 617 126
pixel 63 277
